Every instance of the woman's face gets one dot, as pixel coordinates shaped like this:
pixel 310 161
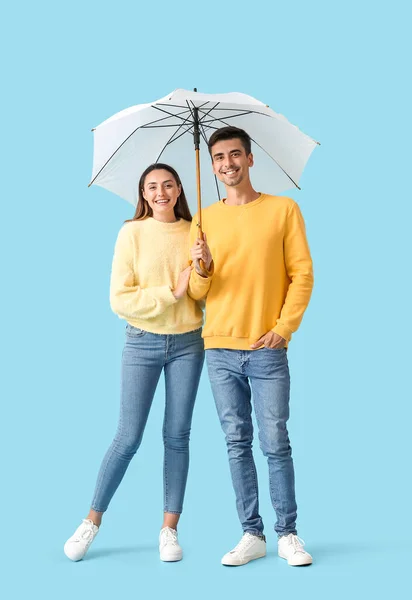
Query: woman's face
pixel 161 192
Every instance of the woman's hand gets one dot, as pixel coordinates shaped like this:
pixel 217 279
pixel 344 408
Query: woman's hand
pixel 201 251
pixel 182 283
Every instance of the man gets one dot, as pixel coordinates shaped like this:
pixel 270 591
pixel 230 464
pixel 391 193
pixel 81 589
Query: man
pixel 257 288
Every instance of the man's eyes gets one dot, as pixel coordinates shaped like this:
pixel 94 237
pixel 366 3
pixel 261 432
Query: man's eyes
pixel 234 154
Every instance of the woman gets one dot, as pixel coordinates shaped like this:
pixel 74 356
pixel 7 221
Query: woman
pixel 148 289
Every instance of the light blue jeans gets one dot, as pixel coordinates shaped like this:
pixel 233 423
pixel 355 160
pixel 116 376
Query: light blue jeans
pixel 234 376
pixel 145 355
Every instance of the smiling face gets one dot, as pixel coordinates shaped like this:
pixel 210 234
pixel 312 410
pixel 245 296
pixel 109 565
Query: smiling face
pixel 230 162
pixel 161 191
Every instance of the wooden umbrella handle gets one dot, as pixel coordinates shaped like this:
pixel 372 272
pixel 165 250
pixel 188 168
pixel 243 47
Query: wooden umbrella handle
pixel 201 236
pixel 199 209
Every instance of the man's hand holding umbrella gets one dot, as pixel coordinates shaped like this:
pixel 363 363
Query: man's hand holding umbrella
pixel 201 252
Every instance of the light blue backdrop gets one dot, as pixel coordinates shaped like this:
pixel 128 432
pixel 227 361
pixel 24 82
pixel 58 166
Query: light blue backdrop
pixel 340 72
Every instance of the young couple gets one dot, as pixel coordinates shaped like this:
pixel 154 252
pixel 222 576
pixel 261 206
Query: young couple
pixel 257 285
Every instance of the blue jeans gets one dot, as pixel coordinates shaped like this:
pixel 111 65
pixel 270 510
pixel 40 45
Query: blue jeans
pixel 145 355
pixel 234 376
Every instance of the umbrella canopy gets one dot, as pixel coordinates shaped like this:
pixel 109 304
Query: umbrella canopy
pixel 162 131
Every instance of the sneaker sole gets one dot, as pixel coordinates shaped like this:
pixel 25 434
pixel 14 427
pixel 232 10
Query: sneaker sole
pixel 304 564
pixel 226 564
pixel 174 558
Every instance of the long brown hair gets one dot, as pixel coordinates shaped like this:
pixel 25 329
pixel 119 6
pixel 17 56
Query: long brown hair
pixel 143 210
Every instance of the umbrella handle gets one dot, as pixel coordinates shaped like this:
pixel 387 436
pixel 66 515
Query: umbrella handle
pixel 202 265
pixel 196 135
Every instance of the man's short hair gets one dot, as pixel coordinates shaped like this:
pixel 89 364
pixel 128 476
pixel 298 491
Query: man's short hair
pixel 230 133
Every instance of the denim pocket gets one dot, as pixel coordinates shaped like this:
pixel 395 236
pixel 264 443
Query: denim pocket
pixel 134 331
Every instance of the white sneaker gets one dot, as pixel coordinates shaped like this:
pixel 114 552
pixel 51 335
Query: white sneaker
pixel 249 548
pixel 76 546
pixel 169 548
pixel 290 547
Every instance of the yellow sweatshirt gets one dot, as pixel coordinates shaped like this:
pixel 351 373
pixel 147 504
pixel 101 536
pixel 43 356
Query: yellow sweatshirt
pixel 148 258
pixel 262 277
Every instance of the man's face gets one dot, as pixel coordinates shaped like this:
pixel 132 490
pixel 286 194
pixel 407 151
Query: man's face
pixel 230 162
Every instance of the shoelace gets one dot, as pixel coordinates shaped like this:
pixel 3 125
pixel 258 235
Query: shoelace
pixel 244 543
pixel 296 542
pixel 86 533
pixel 169 536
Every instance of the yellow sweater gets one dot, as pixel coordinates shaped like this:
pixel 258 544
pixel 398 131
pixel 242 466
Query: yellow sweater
pixel 148 257
pixel 262 276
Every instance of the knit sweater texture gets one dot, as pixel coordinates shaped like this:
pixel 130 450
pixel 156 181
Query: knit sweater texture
pixel 148 258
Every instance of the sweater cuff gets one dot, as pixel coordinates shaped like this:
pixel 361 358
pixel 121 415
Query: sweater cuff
pixel 165 295
pixel 209 273
pixel 283 331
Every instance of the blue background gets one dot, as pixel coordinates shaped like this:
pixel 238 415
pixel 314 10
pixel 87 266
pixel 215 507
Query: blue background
pixel 340 72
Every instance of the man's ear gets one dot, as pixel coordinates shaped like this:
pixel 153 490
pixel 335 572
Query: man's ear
pixel 250 160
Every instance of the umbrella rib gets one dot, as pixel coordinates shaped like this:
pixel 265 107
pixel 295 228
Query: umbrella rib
pixel 171 114
pixel 208 112
pixel 215 108
pixel 201 130
pixel 171 140
pixel 201 119
pixel 203 133
pixel 147 126
pixel 159 126
pixel 191 111
pixel 261 147
pixel 274 159
pixel 110 158
pixel 206 142
pixel 181 134
pixel 217 188
pixel 242 114
pixel 181 106
pixel 162 119
pixel 200 108
pixel 248 110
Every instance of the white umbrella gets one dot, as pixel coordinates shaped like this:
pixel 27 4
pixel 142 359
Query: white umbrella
pixel 164 131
